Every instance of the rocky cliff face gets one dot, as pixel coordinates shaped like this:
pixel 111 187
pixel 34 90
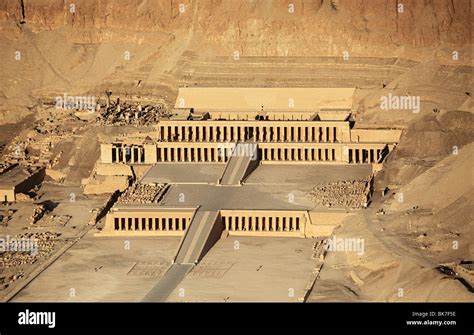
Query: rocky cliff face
pixel 260 27
pixel 81 46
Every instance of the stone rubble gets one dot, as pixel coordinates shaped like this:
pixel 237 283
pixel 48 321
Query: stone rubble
pixel 141 193
pixel 123 113
pixel 351 194
pixel 11 261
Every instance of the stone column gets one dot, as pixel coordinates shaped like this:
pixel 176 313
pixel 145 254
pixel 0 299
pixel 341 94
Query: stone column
pixel 223 154
pixel 132 154
pixel 124 156
pixel 193 135
pixel 204 134
pixel 209 155
pixel 223 133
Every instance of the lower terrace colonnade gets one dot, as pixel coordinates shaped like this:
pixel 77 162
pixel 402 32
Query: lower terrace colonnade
pixel 263 221
pixel 360 153
pixel 299 154
pixel 191 154
pixel 351 153
pixel 364 156
pixel 159 223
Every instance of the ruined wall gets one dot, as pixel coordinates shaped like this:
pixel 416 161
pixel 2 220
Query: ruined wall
pixel 7 195
pixel 321 224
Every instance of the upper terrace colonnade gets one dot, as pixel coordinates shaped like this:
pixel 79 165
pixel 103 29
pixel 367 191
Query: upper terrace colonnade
pixel 260 131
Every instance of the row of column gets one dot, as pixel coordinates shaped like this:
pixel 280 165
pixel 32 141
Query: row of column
pixel 269 133
pixel 262 223
pixel 132 154
pixel 364 155
pixel 151 224
pixel 303 154
pixel 190 154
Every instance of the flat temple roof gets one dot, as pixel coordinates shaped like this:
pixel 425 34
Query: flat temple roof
pixel 235 98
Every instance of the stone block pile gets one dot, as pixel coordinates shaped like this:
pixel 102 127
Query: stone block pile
pixel 351 194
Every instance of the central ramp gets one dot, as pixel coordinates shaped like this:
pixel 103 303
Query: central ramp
pixel 239 164
pixel 171 279
pixel 203 232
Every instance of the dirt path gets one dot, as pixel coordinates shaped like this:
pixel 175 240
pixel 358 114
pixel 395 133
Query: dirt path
pixel 394 243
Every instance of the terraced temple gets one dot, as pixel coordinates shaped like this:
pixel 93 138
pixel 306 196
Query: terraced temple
pixel 241 129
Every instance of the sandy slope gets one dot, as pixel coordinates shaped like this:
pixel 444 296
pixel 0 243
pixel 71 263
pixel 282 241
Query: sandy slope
pixel 403 247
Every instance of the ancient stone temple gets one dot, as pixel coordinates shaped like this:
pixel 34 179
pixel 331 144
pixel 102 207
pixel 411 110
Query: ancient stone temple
pixel 241 128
